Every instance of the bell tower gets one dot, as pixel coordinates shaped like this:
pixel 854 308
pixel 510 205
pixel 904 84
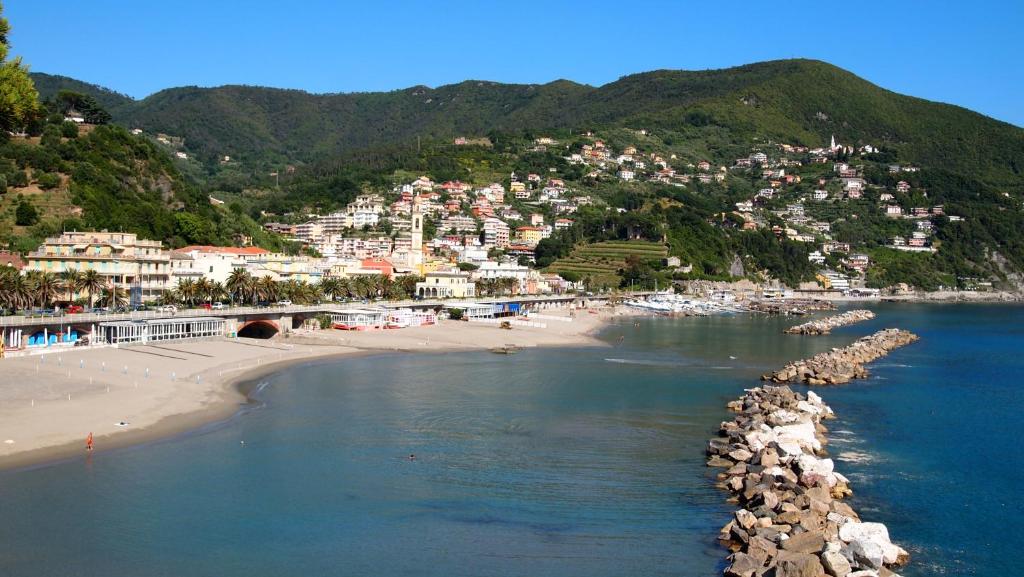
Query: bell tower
pixel 416 251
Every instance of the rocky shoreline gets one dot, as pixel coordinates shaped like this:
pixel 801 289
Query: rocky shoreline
pixel 824 326
pixel 842 365
pixel 792 521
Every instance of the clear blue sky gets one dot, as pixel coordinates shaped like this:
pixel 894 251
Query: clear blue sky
pixel 967 54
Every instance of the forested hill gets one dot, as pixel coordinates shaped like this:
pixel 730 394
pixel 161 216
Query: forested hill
pixel 715 113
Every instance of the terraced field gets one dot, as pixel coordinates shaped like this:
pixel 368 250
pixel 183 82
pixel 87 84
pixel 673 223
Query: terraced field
pixel 602 261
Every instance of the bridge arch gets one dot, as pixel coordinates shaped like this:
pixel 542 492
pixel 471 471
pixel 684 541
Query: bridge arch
pixel 259 329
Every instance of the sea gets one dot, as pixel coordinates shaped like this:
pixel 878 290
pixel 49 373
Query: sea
pixel 549 462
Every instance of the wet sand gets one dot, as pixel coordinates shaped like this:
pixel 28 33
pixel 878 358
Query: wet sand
pixel 49 403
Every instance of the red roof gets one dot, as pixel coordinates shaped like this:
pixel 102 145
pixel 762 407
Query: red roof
pixel 248 250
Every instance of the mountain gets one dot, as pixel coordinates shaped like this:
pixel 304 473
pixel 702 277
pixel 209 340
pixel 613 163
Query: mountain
pixel 49 84
pixel 797 101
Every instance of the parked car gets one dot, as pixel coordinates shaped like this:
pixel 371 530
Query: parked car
pixel 74 309
pixel 217 306
pixel 284 303
pixel 168 309
pixel 206 306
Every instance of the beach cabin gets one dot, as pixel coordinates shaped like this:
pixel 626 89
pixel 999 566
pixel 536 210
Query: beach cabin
pixel 358 319
pixel 150 330
pixel 47 338
pixel 401 318
pixel 472 311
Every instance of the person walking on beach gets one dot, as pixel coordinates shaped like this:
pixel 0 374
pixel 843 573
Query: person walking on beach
pixel 88 442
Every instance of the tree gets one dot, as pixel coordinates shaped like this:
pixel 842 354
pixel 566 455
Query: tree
pixel 51 136
pixel 48 180
pixel 19 101
pixel 92 283
pixel 71 281
pixel 114 297
pixel 45 286
pixel 239 285
pixel 26 214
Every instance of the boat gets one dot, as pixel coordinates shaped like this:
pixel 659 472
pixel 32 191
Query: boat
pixel 505 350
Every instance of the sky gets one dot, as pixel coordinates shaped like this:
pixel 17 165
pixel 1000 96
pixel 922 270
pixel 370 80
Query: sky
pixel 961 53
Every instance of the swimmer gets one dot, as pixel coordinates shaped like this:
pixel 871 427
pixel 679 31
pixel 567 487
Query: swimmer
pixel 412 457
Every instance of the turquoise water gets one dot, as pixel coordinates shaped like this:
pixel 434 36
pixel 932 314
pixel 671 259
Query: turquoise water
pixel 549 462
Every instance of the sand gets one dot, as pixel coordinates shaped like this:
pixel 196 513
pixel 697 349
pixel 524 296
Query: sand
pixel 127 395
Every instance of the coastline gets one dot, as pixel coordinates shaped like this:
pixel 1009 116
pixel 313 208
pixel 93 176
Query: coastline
pixel 168 389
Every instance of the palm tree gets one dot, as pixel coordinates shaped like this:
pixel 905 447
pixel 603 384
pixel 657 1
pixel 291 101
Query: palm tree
pixel 92 283
pixel 15 292
pixel 45 286
pixel 71 280
pixel 330 287
pixel 114 297
pixel 169 297
pixel 266 288
pixel 217 291
pixel 187 291
pixel 203 288
pixel 239 284
pixel 363 286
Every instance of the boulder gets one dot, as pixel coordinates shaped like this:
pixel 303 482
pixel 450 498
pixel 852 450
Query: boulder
pixel 806 542
pixel 877 535
pixel 835 564
pixel 793 564
pixel 745 518
pixel 743 565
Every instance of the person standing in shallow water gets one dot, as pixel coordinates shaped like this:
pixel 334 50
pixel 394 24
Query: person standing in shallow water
pixel 88 442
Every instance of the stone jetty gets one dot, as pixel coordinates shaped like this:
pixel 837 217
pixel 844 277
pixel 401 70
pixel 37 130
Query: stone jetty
pixel 792 520
pixel 824 326
pixel 789 306
pixel 844 364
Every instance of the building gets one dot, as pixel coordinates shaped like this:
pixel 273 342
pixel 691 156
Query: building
pixel 446 284
pixel 142 268
pixel 530 235
pixel 8 258
pixel 496 233
pixel 491 270
pixel 214 263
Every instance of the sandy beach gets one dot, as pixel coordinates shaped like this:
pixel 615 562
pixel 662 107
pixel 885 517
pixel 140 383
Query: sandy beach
pixel 128 395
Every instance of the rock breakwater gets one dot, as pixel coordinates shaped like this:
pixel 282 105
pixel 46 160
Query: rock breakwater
pixel 842 365
pixel 824 326
pixel 793 520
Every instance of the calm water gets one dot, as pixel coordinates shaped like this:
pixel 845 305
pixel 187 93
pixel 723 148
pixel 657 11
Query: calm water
pixel 549 462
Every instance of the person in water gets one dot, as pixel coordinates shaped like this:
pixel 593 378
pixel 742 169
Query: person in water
pixel 88 442
pixel 412 457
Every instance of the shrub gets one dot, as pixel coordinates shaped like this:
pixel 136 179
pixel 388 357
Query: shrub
pixel 455 314
pixel 69 129
pixel 48 180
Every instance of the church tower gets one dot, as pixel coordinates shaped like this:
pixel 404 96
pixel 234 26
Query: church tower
pixel 416 251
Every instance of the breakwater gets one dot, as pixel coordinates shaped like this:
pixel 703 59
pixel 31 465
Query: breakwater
pixel 842 365
pixel 789 306
pixel 824 326
pixel 792 520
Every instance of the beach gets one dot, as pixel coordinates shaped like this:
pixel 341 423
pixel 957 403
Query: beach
pixel 50 403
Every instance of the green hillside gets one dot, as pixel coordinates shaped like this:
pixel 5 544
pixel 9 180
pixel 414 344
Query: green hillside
pixel 799 101
pixel 602 262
